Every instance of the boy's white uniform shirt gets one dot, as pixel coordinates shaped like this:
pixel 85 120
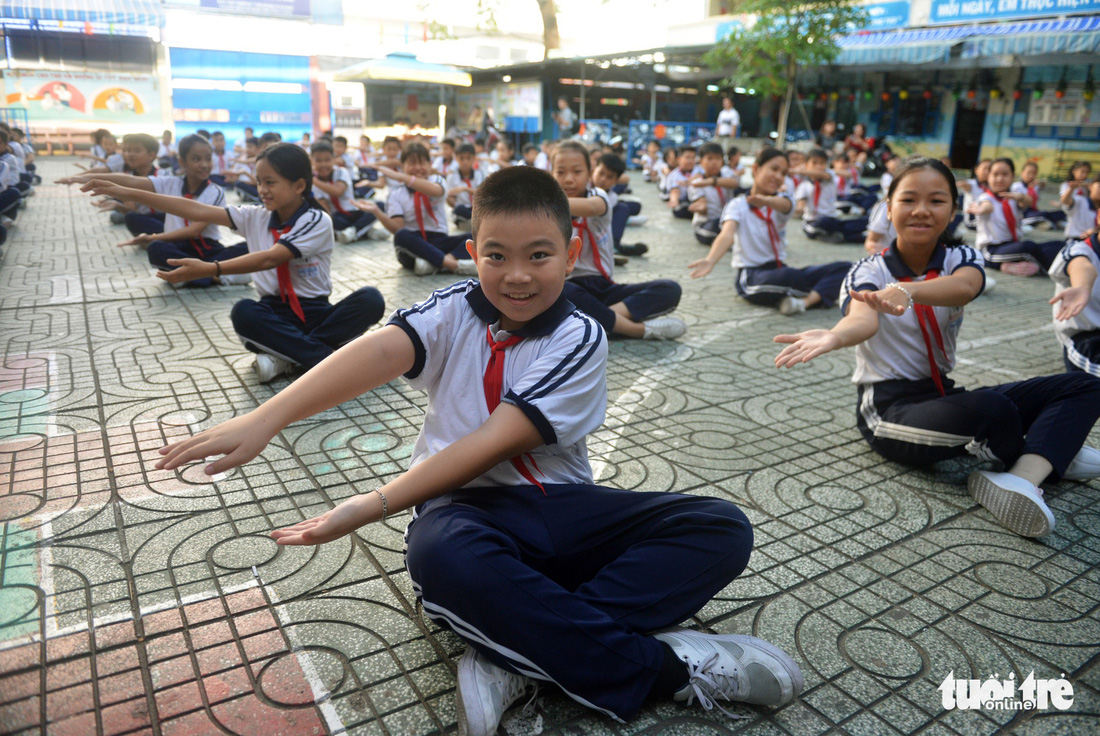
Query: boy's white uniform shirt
pixel 343 203
pixel 455 179
pixel 716 197
pixel 879 223
pixel 116 163
pixel 308 235
pixel 820 198
pixel 10 175
pixel 1089 318
pixel 897 350
pixel 20 155
pixel 1080 216
pixel 556 376
pixel 649 163
pixel 401 202
pixel 207 193
pixel 597 245
pixel 348 158
pixel 221 162
pixel 165 150
pixel 993 227
pixel 753 243
pixel 677 179
pixel 443 167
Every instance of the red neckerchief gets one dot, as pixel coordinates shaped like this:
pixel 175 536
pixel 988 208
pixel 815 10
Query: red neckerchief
pixel 186 223
pixel 1006 207
pixel 1033 192
pixel 446 165
pixel 795 180
pixel 422 200
pixel 580 224
pixel 817 194
pixel 282 271
pixel 335 200
pixel 926 318
pixel 221 162
pixel 493 384
pixel 773 232
pixel 721 197
pixel 841 185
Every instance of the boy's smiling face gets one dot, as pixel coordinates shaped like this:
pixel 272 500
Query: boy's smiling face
pixel 522 261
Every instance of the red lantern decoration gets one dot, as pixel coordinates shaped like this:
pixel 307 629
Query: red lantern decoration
pixel 823 96
pixel 659 132
pixel 851 98
pixel 885 96
pixel 1059 93
pixel 1017 94
pixel 971 94
pixel 927 94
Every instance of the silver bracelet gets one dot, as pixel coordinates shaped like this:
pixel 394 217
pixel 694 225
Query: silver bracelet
pixel 903 290
pixel 385 507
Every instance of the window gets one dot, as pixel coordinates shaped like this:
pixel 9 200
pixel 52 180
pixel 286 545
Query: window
pixel 77 52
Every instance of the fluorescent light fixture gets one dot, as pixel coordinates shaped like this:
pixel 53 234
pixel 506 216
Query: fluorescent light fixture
pixel 506 78
pixel 739 90
pixel 752 91
pixel 712 88
pixel 659 57
pixel 279 88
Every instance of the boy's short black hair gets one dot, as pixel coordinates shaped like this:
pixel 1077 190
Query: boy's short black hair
pixel 253 141
pixel 415 152
pixel 448 142
pixel 466 148
pixel 733 151
pixel 340 139
pixel 684 149
pixel 711 149
pixel 522 190
pixel 842 157
pixel 146 141
pixel 480 141
pixel 508 144
pixel 321 146
pixel 203 132
pixel 530 147
pixel 613 163
pixel 390 139
pixel 270 138
pixel 817 153
pixel 217 132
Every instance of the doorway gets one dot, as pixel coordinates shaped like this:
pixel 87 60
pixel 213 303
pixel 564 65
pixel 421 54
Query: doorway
pixel 966 141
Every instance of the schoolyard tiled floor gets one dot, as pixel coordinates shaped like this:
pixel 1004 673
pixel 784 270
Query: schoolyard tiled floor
pixel 139 601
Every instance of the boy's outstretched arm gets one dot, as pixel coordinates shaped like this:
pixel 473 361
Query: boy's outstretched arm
pixel 506 434
pixel 360 366
pixel 188 209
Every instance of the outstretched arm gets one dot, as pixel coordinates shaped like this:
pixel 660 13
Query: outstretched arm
pixel 858 325
pixel 506 434
pixel 125 180
pixel 1082 277
pixel 718 248
pixel 587 206
pixel 957 289
pixel 188 209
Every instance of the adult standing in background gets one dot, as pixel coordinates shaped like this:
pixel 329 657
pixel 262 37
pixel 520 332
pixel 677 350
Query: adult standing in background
pixel 729 122
pixel 565 119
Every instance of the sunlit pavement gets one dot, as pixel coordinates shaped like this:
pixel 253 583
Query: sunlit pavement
pixel 136 600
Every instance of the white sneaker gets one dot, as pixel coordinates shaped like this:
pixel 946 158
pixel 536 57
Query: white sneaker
pixel 377 232
pixel 268 367
pixel 7 222
pixel 347 235
pixel 235 279
pixel 792 305
pixel 466 267
pixel 637 220
pixel 990 284
pixel 1013 501
pixel 1085 465
pixel 733 667
pixel 483 693
pixel 424 268
pixel 664 328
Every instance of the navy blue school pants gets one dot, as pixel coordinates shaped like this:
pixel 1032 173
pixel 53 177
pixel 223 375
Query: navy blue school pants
pixel 769 284
pixel 620 213
pixel 366 192
pixel 248 191
pixel 910 423
pixel 1084 353
pixel 1023 250
pixel 1054 217
pixel 620 188
pixel 861 198
pixel 432 247
pixel 270 325
pixel 206 250
pixel 852 229
pixel 681 212
pixel 565 587
pixel 358 219
pixel 594 295
pixel 462 211
pixel 144 224
pixel 218 179
pixel 9 202
pixel 706 232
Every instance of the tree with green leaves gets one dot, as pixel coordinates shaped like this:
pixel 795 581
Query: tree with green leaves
pixel 778 39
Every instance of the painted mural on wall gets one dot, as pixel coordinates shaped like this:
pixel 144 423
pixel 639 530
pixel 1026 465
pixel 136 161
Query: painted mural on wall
pixel 83 101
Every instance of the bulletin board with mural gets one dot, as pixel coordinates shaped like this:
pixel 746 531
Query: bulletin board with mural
pixel 79 101
pixel 515 107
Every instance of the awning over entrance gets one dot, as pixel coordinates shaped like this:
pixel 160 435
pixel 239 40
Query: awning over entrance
pixel 401 67
pixel 128 12
pixel 930 45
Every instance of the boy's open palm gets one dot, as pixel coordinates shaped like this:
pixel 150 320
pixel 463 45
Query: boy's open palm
pixel 344 519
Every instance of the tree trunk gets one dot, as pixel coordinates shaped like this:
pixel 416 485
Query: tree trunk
pixel 784 112
pixel 550 37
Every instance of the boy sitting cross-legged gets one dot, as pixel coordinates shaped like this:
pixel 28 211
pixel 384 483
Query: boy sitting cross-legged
pixel 545 575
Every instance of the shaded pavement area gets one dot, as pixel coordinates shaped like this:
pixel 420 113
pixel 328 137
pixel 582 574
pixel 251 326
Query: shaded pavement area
pixel 140 601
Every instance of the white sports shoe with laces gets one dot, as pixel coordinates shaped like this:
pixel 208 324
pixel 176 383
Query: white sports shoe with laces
pixel 664 328
pixel 483 693
pixel 1085 465
pixel 733 667
pixel 1013 501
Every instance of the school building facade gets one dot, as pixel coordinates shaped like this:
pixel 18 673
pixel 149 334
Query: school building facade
pixel 964 79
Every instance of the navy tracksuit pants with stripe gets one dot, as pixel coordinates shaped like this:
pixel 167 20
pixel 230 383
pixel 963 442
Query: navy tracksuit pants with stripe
pixel 768 285
pixel 595 295
pixel 1050 416
pixel 567 586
